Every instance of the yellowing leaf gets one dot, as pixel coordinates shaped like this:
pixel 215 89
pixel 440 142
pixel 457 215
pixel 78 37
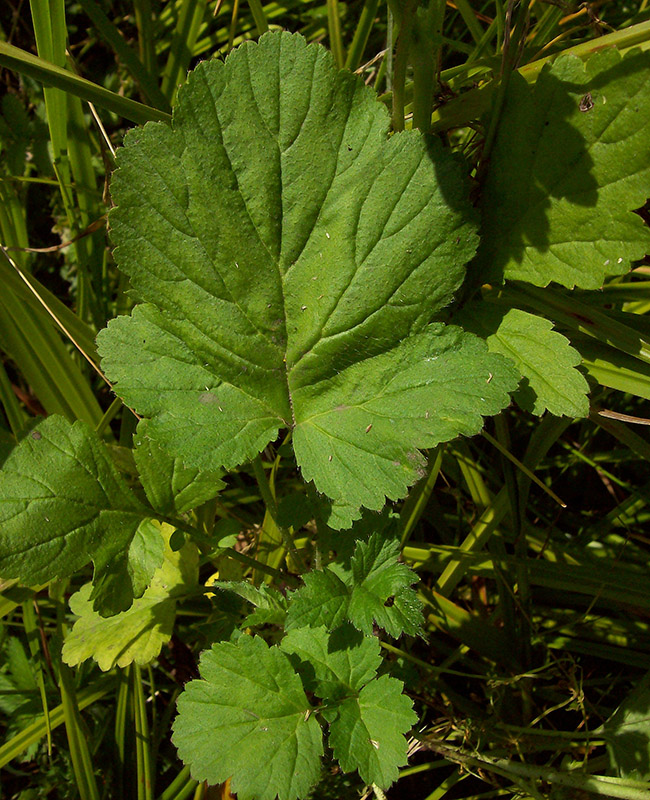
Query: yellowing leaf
pixel 138 634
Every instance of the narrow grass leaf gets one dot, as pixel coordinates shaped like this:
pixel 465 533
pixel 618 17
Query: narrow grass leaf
pixel 110 32
pixel 26 63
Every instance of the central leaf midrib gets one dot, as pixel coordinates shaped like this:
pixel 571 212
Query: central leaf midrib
pixel 262 245
pixel 288 369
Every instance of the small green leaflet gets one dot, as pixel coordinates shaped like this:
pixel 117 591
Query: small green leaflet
pixel 138 634
pixel 368 717
pixel 544 357
pixel 62 505
pixel 249 708
pixel 290 256
pixel 367 733
pixel 375 591
pixel 570 164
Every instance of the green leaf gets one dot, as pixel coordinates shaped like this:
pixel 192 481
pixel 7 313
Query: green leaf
pixel 323 600
pixel 627 733
pixel 171 488
pixel 129 573
pixel 249 709
pixel 294 511
pixel 570 164
pixel 334 663
pixel 381 592
pixel 145 555
pixel 290 257
pixel 63 504
pixel 270 604
pixel 544 358
pixel 611 367
pixel 368 717
pixel 368 731
pixel 20 701
pixel 374 591
pixel 138 634
pixel 27 63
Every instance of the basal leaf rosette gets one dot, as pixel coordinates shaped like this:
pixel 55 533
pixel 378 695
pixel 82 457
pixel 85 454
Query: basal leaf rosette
pixel 289 257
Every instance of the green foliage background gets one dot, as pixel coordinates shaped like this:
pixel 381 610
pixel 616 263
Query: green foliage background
pixel 530 544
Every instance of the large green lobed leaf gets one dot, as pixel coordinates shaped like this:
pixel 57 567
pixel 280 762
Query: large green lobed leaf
pixel 368 717
pixel 570 164
pixel 290 257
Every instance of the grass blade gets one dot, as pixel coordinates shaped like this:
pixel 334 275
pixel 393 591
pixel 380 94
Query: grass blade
pixel 51 75
pixel 181 50
pixel 142 743
pixel 37 730
pixel 109 32
pixel 334 27
pixel 259 16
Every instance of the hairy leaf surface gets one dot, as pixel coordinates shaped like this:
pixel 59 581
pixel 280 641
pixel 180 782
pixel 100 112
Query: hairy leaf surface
pixel 249 708
pixel 290 257
pixel 62 505
pixel 570 164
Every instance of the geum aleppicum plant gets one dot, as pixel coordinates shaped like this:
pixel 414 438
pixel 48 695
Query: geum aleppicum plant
pixel 289 257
